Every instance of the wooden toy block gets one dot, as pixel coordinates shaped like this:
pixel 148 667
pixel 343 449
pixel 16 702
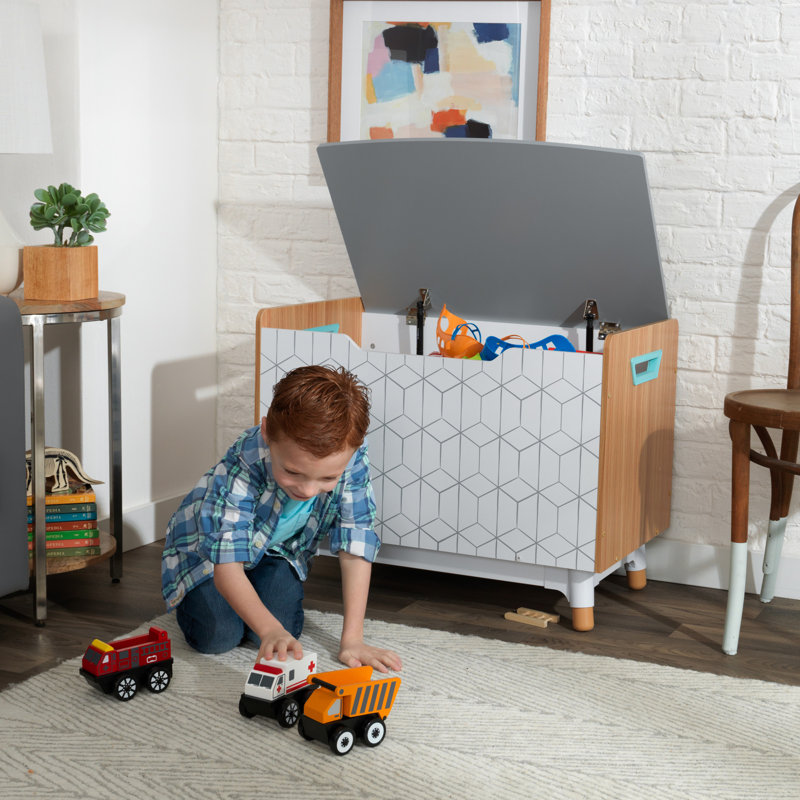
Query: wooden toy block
pixel 529 616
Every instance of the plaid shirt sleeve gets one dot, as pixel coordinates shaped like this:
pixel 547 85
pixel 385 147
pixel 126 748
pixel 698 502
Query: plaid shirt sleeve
pixel 226 516
pixel 354 529
pixel 218 521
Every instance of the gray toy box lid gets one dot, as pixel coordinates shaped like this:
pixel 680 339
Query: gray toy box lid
pixel 498 230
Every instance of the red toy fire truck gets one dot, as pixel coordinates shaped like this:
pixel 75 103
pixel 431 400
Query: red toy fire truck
pixel 122 666
pixel 278 689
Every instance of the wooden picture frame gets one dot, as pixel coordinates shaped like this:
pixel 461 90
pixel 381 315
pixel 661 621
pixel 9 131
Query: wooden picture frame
pixel 421 10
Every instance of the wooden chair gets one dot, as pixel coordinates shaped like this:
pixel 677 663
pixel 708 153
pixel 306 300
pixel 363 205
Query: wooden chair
pixel 762 409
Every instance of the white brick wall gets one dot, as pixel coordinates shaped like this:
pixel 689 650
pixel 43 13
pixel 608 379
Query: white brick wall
pixel 707 90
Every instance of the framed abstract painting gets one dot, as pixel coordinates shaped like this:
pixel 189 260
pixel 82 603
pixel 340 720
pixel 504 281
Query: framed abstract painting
pixel 446 68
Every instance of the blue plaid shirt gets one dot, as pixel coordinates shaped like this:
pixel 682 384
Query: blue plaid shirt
pixel 230 515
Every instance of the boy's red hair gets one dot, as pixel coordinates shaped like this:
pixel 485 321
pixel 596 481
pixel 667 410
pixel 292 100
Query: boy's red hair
pixel 322 409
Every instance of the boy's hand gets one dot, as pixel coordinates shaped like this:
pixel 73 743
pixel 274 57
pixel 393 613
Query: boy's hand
pixel 358 654
pixel 279 643
pixel 233 585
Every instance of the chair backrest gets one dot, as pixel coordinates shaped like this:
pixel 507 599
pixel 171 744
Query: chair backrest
pixel 14 563
pixel 793 380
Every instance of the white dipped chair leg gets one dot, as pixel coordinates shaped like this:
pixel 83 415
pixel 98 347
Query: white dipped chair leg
pixel 733 614
pixel 772 558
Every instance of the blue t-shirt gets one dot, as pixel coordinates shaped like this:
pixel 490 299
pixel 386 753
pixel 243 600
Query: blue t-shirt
pixel 293 518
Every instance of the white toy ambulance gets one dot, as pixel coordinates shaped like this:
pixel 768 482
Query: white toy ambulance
pixel 278 689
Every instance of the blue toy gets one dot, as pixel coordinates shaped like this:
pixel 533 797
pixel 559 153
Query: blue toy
pixel 494 347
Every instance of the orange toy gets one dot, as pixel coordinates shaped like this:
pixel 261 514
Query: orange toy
pixel 347 703
pixel 454 336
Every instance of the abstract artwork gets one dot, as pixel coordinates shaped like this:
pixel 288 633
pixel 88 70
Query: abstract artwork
pixel 452 79
pixel 438 69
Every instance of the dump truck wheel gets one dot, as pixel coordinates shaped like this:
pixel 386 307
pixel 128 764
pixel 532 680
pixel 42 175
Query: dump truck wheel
pixel 289 713
pixel 125 687
pixel 342 741
pixel 301 729
pixel 243 709
pixel 374 732
pixel 158 679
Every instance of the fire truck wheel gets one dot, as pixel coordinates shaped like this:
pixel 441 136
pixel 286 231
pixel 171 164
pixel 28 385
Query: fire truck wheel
pixel 125 687
pixel 374 732
pixel 342 741
pixel 158 679
pixel 289 713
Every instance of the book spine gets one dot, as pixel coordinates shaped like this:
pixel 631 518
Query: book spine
pixel 66 508
pixel 66 552
pixel 66 517
pixel 67 544
pixel 61 499
pixel 74 525
pixel 61 536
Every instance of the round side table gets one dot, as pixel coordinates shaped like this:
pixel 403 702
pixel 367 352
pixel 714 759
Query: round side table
pixel 36 315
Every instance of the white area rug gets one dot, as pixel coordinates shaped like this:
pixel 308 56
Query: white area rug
pixel 474 718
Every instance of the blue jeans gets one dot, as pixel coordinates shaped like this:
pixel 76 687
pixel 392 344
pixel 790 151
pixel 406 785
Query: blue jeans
pixel 210 625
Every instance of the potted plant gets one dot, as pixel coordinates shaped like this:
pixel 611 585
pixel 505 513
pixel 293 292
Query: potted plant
pixel 67 269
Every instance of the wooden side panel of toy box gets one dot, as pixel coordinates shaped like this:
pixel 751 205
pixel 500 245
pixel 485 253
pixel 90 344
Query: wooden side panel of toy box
pixel 633 449
pixel 636 440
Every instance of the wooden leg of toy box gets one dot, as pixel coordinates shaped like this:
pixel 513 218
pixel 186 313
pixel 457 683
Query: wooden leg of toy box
pixel 637 579
pixel 583 618
pixel 635 567
pixel 581 599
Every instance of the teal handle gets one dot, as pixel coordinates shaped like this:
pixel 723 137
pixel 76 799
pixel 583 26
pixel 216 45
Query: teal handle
pixel 645 367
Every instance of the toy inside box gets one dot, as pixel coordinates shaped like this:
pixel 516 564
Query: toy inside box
pixel 539 466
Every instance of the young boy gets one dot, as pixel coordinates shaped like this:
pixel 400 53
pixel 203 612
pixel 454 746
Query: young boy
pixel 240 545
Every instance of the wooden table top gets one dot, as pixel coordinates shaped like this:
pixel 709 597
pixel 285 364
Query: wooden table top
pixel 103 302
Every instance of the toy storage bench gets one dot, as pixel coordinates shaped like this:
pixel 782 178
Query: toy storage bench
pixel 543 467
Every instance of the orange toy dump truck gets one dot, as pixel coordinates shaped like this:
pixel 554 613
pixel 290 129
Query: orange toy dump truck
pixel 120 667
pixel 348 703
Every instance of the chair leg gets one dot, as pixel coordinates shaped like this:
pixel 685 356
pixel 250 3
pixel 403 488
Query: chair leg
pixel 772 558
pixel 740 509
pixel 733 614
pixel 778 513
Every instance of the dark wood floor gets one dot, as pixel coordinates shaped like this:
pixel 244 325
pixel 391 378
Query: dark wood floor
pixel 665 623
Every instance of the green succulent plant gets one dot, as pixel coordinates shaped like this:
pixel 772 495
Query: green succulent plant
pixel 65 208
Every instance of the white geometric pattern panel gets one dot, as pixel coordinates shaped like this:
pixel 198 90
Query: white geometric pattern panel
pixel 497 459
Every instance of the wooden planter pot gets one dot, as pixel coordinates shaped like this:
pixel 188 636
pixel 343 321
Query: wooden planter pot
pixel 59 273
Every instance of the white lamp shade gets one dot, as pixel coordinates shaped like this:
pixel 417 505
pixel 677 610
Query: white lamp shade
pixel 24 111
pixel 10 261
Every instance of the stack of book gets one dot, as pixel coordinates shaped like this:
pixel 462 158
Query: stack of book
pixel 70 524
